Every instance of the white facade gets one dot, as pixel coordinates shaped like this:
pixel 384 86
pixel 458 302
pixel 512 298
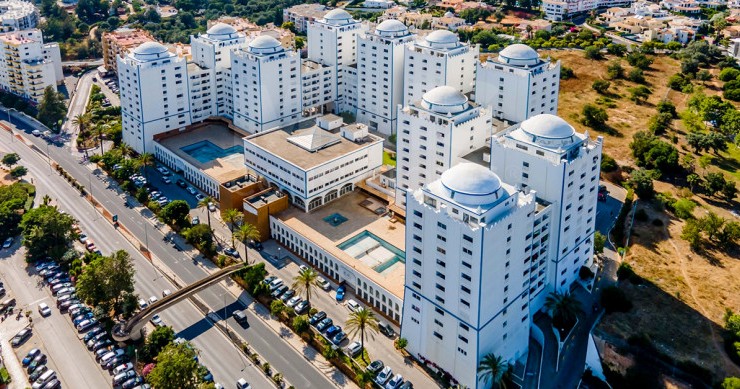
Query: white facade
pixel 266 83
pixel 17 15
pixel 302 14
pixel 380 75
pixel 332 41
pixel 468 238
pixel 315 166
pixel 27 65
pixel 438 59
pixel 154 94
pixel 518 84
pixel 545 154
pixel 434 134
pixel 212 52
pixel 561 9
pixel 317 86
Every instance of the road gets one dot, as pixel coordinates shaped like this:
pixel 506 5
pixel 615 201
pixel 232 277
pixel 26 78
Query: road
pixel 84 62
pixel 217 352
pixel 290 362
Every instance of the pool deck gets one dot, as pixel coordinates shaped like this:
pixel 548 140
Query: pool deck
pixel 220 169
pixel 315 229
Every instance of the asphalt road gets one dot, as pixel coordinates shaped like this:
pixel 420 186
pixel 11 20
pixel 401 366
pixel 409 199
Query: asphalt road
pixel 217 352
pixel 281 356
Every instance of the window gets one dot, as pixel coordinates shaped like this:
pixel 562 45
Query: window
pixel 469 239
pixel 466 277
pixel 440 275
pixel 438 335
pixel 442 226
pixel 439 311
pixel 464 339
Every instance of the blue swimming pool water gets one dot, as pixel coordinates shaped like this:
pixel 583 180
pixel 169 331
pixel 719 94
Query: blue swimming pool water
pixel 205 151
pixel 399 255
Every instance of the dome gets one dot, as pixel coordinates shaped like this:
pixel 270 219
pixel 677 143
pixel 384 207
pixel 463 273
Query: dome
pixel 471 184
pixel 519 54
pixel 265 44
pixel 442 36
pixel 445 99
pixel 391 25
pixel 449 14
pixel 548 126
pixel 221 29
pixel 150 48
pixel 338 16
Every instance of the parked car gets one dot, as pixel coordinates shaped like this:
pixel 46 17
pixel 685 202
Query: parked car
pixel 339 338
pixel 115 361
pixel 8 242
pixel 384 376
pixel 102 344
pixel 323 283
pixel 142 304
pixel 395 382
pixel 302 268
pixel 287 295
pixel 407 385
pixel 317 317
pixel 166 180
pixel 333 330
pixel 95 339
pixel 92 333
pixel 30 356
pixel 82 317
pixel 231 251
pixel 181 183
pixel 199 197
pixel 192 190
pixel 301 307
pixel 354 349
pixel 157 321
pixel 276 283
pixel 211 207
pixel 386 329
pixel 110 355
pixel 133 382
pixel 242 384
pixel 166 292
pixel 152 300
pixel 268 280
pixel 87 324
pixel 294 300
pixel 37 373
pixel 374 366
pixel 324 324
pixel 2 291
pixel 281 291
pixel 340 292
pixel 195 221
pixel 21 337
pixel 36 362
pixel 122 367
pixel 353 305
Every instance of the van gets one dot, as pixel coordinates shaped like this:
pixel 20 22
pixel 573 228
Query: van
pixel 386 329
pixel 46 377
pixel 240 317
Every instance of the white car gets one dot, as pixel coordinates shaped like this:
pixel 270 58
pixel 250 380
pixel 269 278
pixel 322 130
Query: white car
pixel 354 349
pixel 242 384
pixel 353 305
pixel 166 292
pixel 123 368
pixel 384 376
pixel 323 283
pixel 293 301
pixel 152 300
pixel 302 268
pixel 44 309
pixel 157 321
pixel 212 207
pixel 142 304
pixel 8 242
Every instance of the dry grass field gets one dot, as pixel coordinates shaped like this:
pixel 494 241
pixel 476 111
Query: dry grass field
pixel 680 307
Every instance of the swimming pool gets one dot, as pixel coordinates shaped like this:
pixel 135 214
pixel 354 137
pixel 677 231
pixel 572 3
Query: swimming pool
pixel 373 251
pixel 205 151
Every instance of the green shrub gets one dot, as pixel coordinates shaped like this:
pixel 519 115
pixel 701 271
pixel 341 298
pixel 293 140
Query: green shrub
pixel 608 164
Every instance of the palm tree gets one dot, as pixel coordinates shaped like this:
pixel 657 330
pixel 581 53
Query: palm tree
pixel 306 280
pixel 563 308
pixel 494 369
pixel 245 233
pixel 204 203
pixel 360 321
pixel 46 199
pixel 81 121
pixel 232 216
pixel 125 149
pixel 145 160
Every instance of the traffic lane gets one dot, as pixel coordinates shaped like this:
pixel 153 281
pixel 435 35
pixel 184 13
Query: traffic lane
pixel 55 334
pixel 270 346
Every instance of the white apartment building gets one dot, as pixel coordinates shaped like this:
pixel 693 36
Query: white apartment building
pixel 545 154
pixel 28 65
pixel 468 243
pixel 434 134
pixel 266 83
pixel 302 14
pixel 380 74
pixel 317 87
pixel 154 94
pixel 436 60
pixel 17 15
pixel 212 52
pixel 315 165
pixel 562 9
pixel 518 84
pixel 332 41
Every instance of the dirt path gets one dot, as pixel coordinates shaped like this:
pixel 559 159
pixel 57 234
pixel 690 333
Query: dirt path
pixel 730 366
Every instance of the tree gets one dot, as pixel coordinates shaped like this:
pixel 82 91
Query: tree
pixel 704 75
pixel 731 383
pixel 728 74
pixel 201 236
pixel 566 73
pixel 300 43
pixel 608 164
pixel 652 153
pixel 10 159
pixel 305 281
pixel 360 321
pixel 617 49
pixel 639 60
pixel 730 126
pixel 711 224
pixel 176 367
pixel 636 75
pixel 678 82
pixel 563 308
pixel 277 307
pixel 599 242
pixel 714 182
pixel 106 280
pixel 674 46
pixel 232 217
pixel 592 52
pixel 51 110
pixel 601 86
pixel 691 233
pixel 659 123
pixel 82 121
pixel 176 213
pixel 125 149
pixel 615 70
pixel 593 116
pixel 693 180
pixel 289 26
pixel 729 235
pixel 46 232
pixel 494 370
pixel 18 172
pixel 640 94
pixel 684 208
pixel 666 106
pixel 400 343
pixel 204 203
pixel 641 182
pixel 244 234
pixel 157 340
pixel 143 161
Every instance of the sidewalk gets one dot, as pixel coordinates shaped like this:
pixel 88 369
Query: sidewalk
pixel 9 328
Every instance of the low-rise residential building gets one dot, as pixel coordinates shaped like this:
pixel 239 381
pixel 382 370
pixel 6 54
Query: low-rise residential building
pixel 560 9
pixel 648 8
pixel 448 22
pixel 28 64
pixel 689 7
pixel 666 35
pixel 166 11
pixel 119 42
pixel 382 4
pixel 302 14
pixel 734 48
pixel 18 15
pixel 317 164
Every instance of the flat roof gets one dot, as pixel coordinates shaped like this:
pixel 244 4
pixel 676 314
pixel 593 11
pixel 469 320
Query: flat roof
pixel 276 142
pixel 359 218
pixel 220 169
